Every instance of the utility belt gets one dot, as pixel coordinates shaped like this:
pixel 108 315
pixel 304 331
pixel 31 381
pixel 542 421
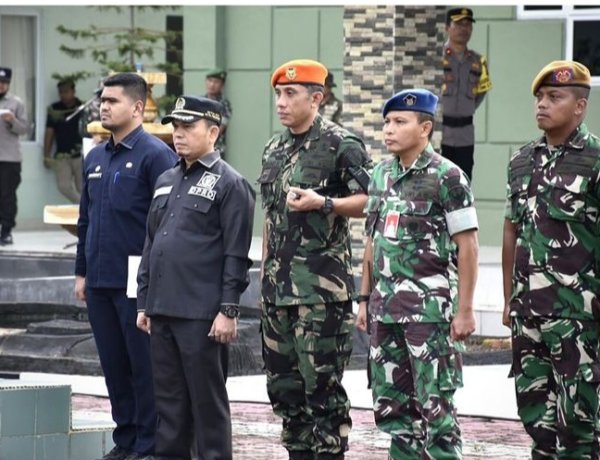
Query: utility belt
pixel 457 122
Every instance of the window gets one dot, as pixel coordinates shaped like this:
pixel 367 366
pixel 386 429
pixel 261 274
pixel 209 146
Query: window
pixel 582 24
pixel 583 43
pixel 18 50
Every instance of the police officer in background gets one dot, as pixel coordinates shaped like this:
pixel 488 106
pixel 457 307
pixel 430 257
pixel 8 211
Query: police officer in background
pixel 13 123
pixel 193 272
pixel 314 176
pixel 420 210
pixel 466 82
pixel 551 268
pixel 118 180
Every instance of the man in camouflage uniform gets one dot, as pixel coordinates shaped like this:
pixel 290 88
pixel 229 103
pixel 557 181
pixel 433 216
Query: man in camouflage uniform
pixel 315 175
pixel 551 268
pixel 215 84
pixel 420 210
pixel 466 82
pixel 331 107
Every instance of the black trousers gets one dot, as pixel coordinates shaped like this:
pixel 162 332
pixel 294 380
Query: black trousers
pixel 190 371
pixel 460 156
pixel 10 178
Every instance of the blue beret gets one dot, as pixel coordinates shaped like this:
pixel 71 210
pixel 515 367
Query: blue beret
pixel 413 100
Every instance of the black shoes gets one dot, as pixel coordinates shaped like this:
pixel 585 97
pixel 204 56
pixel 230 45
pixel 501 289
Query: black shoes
pixel 6 239
pixel 118 453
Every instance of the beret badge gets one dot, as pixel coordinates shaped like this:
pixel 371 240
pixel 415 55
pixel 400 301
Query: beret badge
pixel 410 100
pixel 180 103
pixel 290 73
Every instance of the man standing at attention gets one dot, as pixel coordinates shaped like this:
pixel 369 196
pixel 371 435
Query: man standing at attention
pixel 314 176
pixel 420 213
pixel 551 268
pixel 119 179
pixel 66 161
pixel 215 85
pixel 466 82
pixel 13 123
pixel 193 272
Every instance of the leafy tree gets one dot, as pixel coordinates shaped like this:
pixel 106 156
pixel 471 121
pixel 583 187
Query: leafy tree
pixel 119 49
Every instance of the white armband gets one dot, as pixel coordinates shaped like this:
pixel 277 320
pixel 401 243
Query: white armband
pixel 461 220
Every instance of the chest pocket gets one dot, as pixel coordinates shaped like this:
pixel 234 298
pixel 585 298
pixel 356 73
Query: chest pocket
pixel 567 200
pixel 267 181
pixel 123 189
pixel 197 217
pixel 416 222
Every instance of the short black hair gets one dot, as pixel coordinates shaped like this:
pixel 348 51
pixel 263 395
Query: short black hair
pixel 422 117
pixel 133 85
pixel 314 88
pixel 68 83
pixel 580 92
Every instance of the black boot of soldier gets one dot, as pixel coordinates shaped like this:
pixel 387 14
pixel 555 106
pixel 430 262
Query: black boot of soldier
pixel 5 237
pixel 339 456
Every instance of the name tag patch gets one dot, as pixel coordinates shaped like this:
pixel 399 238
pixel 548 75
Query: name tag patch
pixel 205 186
pixel 95 175
pixel 162 191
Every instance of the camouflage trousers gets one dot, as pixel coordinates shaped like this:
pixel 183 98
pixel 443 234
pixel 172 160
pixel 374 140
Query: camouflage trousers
pixel 305 349
pixel 415 370
pixel 557 374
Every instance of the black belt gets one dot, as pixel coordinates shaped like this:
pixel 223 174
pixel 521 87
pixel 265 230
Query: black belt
pixel 457 122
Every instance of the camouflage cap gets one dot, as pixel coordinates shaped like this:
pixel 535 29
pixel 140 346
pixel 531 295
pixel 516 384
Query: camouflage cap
pixel 217 73
pixel 562 73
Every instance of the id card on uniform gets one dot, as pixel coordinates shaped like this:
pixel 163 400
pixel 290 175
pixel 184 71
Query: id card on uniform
pixel 390 229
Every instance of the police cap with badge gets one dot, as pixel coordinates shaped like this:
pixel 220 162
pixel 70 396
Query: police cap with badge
pixel 412 100
pixel 5 74
pixel 189 109
pixel 562 73
pixel 458 14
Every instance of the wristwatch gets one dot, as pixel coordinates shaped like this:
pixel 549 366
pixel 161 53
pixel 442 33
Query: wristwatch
pixel 230 310
pixel 327 206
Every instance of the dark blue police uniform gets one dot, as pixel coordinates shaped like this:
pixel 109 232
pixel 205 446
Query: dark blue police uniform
pixel 118 184
pixel 195 259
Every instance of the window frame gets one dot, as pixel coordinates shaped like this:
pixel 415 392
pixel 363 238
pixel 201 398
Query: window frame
pixel 570 15
pixel 39 119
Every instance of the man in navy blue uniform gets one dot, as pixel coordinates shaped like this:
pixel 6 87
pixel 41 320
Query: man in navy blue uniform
pixel 193 272
pixel 118 182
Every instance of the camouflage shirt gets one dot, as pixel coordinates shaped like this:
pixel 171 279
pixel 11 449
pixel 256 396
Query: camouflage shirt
pixel 227 112
pixel 411 215
pixel 308 258
pixel 554 200
pixel 332 109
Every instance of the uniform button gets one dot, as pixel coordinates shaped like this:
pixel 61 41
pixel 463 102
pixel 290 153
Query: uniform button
pixel 164 233
pixel 172 214
pixel 184 177
pixel 196 205
pixel 178 196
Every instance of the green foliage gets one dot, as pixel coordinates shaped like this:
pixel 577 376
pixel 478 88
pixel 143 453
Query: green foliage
pixel 118 49
pixel 74 77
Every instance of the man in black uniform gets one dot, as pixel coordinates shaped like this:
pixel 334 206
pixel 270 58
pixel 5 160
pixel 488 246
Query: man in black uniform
pixel 194 269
